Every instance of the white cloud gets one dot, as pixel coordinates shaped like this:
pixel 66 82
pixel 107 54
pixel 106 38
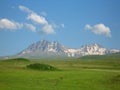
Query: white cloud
pixel 99 29
pixel 62 25
pixel 33 16
pixel 37 19
pixel 54 25
pixel 87 27
pixel 9 24
pixel 46 27
pixel 25 9
pixel 31 27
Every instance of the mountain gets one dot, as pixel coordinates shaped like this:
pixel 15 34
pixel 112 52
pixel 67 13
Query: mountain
pixel 43 49
pixel 44 46
pixel 46 49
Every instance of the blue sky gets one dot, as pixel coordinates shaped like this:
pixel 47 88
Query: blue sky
pixel 73 23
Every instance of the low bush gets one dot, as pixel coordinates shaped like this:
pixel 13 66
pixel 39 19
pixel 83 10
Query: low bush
pixel 42 67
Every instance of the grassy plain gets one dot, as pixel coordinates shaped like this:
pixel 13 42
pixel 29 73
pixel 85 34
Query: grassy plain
pixel 74 74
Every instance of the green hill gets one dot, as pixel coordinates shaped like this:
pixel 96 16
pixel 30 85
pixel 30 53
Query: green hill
pixel 16 60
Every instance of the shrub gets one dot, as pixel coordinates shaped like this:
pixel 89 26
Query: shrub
pixel 42 67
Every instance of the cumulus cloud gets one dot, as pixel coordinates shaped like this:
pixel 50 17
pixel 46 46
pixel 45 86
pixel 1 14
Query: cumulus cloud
pixel 46 27
pixel 9 24
pixel 62 25
pixel 88 27
pixel 37 19
pixel 99 29
pixel 30 27
pixel 54 25
pixel 23 8
pixel 6 24
pixel 33 16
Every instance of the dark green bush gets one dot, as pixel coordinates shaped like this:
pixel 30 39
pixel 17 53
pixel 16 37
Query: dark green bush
pixel 42 67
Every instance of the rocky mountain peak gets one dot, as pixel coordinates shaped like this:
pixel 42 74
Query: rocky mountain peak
pixel 44 46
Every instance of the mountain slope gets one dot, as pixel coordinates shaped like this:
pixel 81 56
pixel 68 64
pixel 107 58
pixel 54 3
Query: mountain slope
pixel 48 49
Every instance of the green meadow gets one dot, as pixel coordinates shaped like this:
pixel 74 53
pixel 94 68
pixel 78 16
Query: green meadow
pixel 86 73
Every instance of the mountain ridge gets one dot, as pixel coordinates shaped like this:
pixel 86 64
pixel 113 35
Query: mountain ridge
pixel 46 48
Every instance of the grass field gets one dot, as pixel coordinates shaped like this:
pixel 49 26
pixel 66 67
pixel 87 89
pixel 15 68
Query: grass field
pixel 73 74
